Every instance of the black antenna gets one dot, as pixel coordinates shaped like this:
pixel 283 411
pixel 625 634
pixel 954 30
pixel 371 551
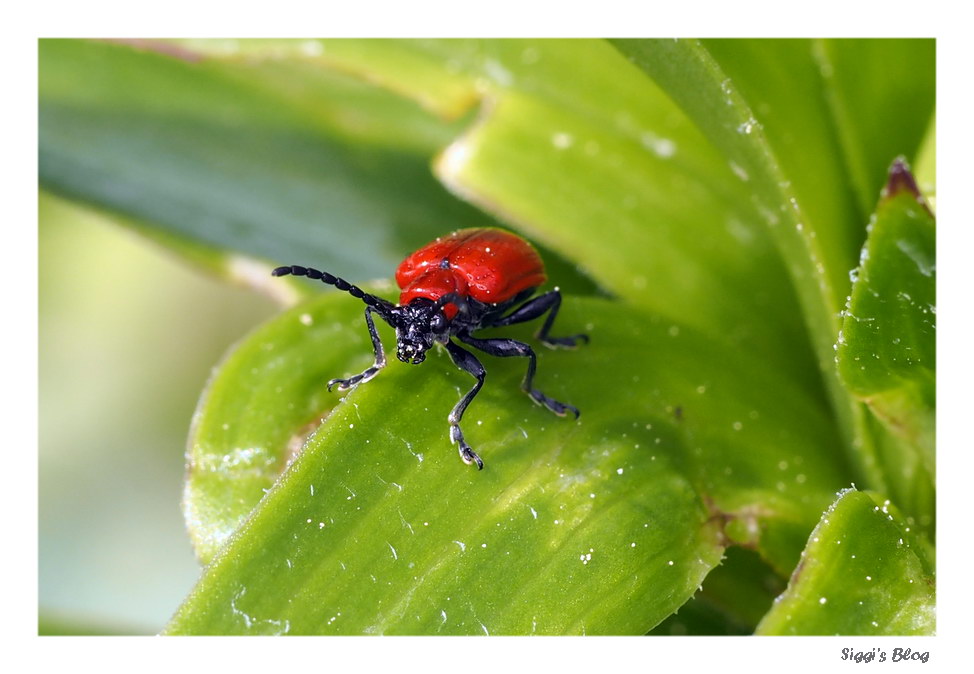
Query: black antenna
pixel 381 305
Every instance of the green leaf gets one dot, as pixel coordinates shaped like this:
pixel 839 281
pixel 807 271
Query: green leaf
pixel 239 156
pixel 270 395
pixel 605 525
pixel 886 351
pixel 862 573
pixel 888 339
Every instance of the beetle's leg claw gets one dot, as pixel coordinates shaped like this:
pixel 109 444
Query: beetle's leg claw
pixel 343 384
pixel 563 342
pixel 561 409
pixel 466 453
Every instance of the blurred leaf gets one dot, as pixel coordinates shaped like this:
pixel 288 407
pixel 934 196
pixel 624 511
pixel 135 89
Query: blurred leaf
pixel 49 624
pixel 212 151
pixel 447 92
pixel 699 617
pixel 886 351
pixel 925 166
pixel 570 528
pixel 862 573
pixel 881 95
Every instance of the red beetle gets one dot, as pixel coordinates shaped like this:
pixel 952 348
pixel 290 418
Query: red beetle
pixel 451 287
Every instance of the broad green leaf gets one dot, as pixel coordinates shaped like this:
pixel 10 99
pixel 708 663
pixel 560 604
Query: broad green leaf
pixel 886 351
pixel 294 164
pixel 862 573
pixel 605 525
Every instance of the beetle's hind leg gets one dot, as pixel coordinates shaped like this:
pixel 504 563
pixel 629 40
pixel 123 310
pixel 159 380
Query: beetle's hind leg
pixel 467 362
pixel 549 302
pixel 506 348
pixel 380 359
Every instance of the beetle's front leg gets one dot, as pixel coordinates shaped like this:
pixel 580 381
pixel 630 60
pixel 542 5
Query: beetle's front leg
pixel 380 358
pixel 467 362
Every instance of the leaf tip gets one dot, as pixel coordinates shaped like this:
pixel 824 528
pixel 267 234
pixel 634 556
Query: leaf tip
pixel 901 180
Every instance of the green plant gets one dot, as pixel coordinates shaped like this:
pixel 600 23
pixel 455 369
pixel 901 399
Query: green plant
pixel 700 203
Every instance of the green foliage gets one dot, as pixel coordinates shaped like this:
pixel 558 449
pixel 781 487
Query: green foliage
pixel 893 293
pixel 547 537
pixel 717 192
pixel 862 573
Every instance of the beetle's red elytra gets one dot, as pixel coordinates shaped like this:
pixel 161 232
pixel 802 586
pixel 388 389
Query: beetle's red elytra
pixel 451 287
pixel 488 265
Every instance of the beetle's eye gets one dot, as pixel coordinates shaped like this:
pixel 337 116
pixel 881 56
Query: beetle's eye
pixel 438 322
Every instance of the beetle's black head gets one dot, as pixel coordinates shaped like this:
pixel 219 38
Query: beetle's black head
pixel 418 325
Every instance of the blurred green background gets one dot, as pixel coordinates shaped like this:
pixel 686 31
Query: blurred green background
pixel 128 336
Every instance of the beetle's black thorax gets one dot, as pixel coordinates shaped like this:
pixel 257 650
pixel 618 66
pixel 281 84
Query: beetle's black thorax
pixel 422 322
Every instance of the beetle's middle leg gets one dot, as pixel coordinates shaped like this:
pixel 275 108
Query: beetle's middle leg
pixel 505 348
pixel 549 302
